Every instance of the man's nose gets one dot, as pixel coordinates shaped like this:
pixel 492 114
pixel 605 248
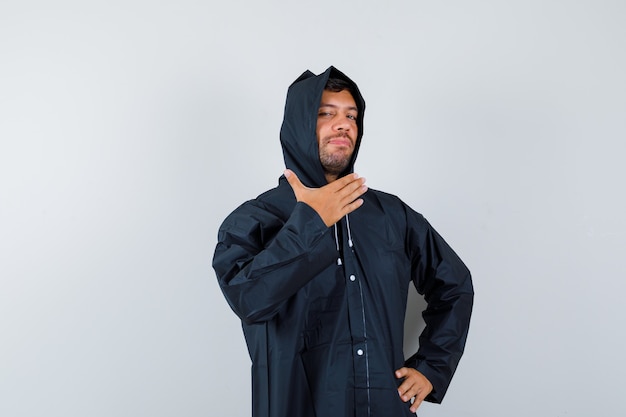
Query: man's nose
pixel 342 124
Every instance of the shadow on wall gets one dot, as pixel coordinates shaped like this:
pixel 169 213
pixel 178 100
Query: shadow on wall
pixel 413 322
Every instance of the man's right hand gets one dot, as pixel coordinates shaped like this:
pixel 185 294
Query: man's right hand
pixel 332 201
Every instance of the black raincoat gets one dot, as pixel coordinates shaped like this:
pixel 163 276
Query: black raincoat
pixel 323 308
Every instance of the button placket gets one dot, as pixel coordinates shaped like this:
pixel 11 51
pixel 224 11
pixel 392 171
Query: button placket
pixel 356 317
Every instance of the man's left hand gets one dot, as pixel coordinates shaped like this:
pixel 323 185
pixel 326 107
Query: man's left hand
pixel 415 384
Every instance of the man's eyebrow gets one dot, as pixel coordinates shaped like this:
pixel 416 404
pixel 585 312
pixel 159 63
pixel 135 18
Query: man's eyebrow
pixel 354 108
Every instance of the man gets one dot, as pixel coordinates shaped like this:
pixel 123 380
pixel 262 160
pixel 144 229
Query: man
pixel 318 270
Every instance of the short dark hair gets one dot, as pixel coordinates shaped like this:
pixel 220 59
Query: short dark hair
pixel 336 85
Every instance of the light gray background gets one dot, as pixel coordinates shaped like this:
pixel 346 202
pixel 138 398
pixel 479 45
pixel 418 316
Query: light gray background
pixel 130 129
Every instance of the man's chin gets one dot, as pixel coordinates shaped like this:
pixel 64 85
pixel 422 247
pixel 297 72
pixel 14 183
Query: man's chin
pixel 334 169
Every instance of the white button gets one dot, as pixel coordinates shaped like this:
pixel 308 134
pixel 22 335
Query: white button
pixel 359 352
pixel 352 278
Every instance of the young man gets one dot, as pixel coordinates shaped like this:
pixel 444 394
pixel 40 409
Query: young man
pixel 318 270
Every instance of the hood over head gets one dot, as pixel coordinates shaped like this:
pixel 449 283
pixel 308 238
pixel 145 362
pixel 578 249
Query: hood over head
pixel 298 135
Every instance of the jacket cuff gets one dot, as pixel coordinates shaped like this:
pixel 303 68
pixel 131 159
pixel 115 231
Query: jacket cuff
pixel 440 383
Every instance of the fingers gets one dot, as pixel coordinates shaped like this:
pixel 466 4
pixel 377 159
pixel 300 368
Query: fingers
pixel 352 206
pixel 349 188
pixel 332 201
pixel 405 387
pixel 354 191
pixel 416 404
pixel 415 385
pixel 346 189
pixel 348 180
pixel 349 195
pixel 351 181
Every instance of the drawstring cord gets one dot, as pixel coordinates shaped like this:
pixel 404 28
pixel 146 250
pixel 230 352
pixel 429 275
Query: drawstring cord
pixel 339 262
pixel 337 242
pixel 349 234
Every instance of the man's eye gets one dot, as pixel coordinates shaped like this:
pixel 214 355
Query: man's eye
pixel 324 113
pixel 352 117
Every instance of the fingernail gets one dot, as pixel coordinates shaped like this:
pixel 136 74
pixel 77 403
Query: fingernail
pixel 287 173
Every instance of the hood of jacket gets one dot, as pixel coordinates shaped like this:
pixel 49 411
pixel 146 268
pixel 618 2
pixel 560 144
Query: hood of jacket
pixel 298 136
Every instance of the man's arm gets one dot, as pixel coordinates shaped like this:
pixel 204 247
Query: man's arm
pixel 444 280
pixel 261 262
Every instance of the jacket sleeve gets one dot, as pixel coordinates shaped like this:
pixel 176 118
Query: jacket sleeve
pixel 444 280
pixel 261 260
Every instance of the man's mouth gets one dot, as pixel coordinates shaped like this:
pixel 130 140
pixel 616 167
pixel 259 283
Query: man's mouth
pixel 340 141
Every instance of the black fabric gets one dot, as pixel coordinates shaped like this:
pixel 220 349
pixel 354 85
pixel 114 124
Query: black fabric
pixel 325 338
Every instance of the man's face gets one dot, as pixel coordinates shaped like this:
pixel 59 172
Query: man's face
pixel 337 131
